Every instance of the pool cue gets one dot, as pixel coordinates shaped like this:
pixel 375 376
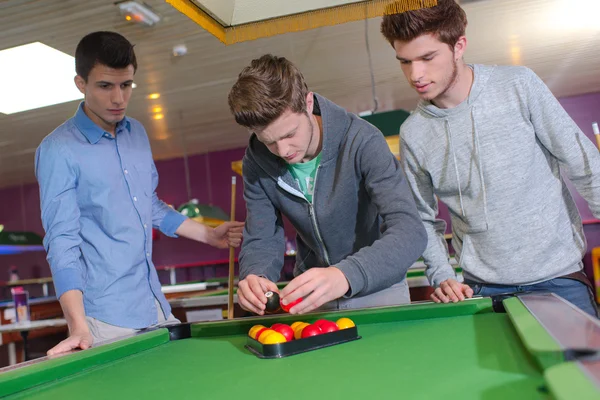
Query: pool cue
pixel 231 255
pixel 596 133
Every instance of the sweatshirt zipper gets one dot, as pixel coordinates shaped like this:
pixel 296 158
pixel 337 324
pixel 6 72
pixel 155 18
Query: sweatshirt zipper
pixel 314 219
pixel 311 210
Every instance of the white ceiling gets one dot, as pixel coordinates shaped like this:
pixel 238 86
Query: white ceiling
pixel 537 33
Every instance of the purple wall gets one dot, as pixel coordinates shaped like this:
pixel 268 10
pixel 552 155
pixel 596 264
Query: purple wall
pixel 585 110
pixel 208 185
pixel 20 205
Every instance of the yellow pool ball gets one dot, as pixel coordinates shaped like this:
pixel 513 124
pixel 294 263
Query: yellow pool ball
pixel 345 323
pixel 272 338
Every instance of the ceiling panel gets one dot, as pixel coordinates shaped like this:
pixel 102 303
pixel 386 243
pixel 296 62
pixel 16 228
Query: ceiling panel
pixel 334 61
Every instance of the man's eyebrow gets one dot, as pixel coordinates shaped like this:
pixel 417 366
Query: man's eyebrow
pixel 429 54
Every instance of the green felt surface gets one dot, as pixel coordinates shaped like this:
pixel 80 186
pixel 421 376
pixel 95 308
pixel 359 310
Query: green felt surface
pixel 70 365
pixel 454 351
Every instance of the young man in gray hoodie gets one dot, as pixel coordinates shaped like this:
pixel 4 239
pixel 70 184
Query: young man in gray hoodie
pixel 491 143
pixel 333 176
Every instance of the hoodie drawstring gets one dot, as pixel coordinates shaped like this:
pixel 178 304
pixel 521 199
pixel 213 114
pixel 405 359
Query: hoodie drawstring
pixel 456 174
pixel 479 164
pixel 485 211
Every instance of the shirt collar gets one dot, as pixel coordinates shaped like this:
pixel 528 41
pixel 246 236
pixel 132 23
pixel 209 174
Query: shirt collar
pixel 90 130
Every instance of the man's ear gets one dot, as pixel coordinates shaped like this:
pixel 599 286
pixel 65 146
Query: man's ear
pixel 460 47
pixel 310 102
pixel 80 83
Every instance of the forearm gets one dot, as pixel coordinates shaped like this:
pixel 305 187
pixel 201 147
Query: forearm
pixel 559 134
pixel 193 230
pixel 436 254
pixel 72 306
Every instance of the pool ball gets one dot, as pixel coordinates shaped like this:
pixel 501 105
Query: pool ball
pixel 262 333
pixel 272 338
pixel 295 324
pixel 310 330
pixel 298 330
pixel 254 330
pixel 344 323
pixel 328 326
pixel 287 307
pixel 285 330
pixel 320 321
pixel 272 302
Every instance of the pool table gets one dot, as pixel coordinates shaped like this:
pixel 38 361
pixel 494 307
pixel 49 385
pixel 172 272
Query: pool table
pixel 530 346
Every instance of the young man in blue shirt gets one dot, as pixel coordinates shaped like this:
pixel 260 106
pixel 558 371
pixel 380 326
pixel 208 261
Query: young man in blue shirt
pixel 98 202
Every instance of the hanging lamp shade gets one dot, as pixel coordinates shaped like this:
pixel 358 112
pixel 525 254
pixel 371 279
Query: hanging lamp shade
pixel 19 242
pixel 233 21
pixel 205 214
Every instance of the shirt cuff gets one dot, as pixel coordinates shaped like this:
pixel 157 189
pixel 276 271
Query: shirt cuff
pixel 444 273
pixel 357 281
pixel 171 222
pixel 67 279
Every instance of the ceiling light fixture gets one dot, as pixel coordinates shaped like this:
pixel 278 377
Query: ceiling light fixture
pixel 233 21
pixel 138 12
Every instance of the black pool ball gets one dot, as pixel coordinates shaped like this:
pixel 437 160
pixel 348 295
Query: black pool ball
pixel 272 301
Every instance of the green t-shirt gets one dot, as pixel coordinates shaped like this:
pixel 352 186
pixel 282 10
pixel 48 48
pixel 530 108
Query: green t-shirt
pixel 304 174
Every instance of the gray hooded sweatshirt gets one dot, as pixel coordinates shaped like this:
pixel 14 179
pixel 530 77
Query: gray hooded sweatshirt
pixel 363 218
pixel 496 160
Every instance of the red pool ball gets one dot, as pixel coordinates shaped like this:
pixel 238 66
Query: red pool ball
pixel 285 330
pixel 328 326
pixel 310 330
pixel 320 321
pixel 287 307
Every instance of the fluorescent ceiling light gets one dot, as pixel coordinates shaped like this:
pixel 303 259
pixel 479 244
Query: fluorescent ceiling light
pixel 35 75
pixel 575 15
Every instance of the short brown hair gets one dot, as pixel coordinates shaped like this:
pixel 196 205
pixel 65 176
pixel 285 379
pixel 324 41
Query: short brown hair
pixel 265 89
pixel 447 21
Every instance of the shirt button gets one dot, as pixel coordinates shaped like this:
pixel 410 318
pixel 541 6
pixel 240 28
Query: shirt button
pixel 134 198
pixel 145 226
pixel 148 254
pixel 126 171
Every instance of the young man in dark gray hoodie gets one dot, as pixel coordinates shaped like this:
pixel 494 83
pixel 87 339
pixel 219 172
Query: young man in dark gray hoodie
pixel 491 143
pixel 333 176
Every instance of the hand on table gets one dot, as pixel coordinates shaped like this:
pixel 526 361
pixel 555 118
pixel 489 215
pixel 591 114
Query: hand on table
pixel 227 234
pixel 316 287
pixel 451 290
pixel 251 293
pixel 77 340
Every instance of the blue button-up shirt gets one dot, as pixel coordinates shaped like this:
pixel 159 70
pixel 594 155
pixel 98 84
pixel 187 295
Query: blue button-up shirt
pixel 99 205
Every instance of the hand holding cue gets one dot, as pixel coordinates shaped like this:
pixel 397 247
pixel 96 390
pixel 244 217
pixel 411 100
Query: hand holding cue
pixel 231 255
